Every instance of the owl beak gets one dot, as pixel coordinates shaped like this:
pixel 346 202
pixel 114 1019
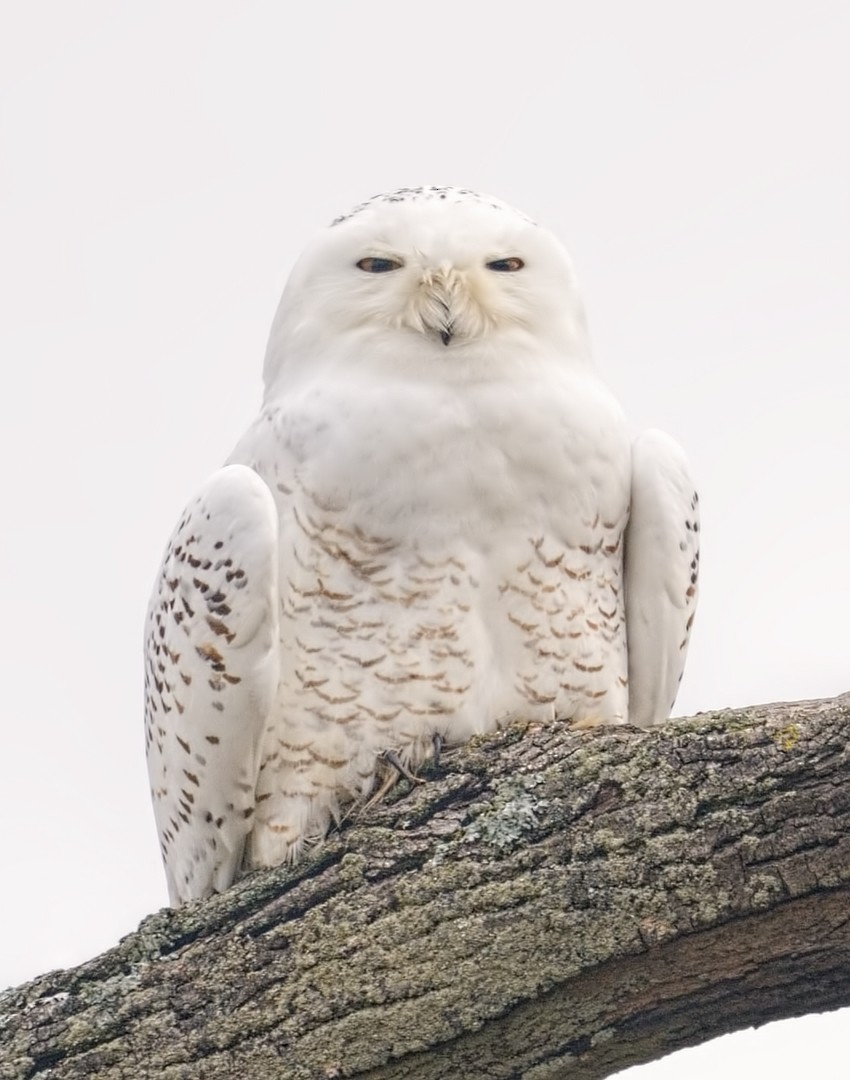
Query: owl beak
pixel 446 328
pixel 439 291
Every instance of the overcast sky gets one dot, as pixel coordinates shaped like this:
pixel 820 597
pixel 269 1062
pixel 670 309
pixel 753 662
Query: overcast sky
pixel 161 166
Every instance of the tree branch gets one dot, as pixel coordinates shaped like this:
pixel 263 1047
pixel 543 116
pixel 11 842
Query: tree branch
pixel 551 903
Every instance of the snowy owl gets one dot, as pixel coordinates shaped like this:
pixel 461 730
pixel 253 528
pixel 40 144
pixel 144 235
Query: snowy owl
pixel 438 523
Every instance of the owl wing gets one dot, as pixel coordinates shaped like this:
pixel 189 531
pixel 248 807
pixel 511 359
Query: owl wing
pixel 211 673
pixel 661 571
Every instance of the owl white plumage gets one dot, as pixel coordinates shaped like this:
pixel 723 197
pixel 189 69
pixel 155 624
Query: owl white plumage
pixel 438 523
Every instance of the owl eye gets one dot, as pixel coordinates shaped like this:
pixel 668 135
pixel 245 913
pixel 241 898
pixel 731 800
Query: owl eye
pixel 508 266
pixel 374 265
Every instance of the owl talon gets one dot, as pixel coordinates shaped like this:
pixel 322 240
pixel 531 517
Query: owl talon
pixel 586 723
pixel 396 771
pixel 392 758
pixel 437 743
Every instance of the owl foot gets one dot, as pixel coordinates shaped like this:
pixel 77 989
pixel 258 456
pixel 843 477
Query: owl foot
pixel 437 743
pixel 392 758
pixel 586 723
pixel 392 776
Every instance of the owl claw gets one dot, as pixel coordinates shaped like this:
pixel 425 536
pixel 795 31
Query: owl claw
pixel 437 743
pixel 396 771
pixel 392 758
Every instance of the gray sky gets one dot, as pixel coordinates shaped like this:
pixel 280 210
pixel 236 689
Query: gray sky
pixel 161 165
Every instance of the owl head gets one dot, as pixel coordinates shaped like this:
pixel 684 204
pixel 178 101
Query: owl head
pixel 445 280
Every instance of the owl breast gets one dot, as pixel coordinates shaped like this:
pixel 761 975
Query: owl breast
pixel 450 559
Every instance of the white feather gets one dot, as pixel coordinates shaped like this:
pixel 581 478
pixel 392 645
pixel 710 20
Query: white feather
pixel 662 568
pixel 211 674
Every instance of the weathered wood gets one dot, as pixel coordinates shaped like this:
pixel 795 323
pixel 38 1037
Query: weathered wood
pixel 550 904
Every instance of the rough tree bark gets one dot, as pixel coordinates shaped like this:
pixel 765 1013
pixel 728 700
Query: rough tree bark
pixel 550 904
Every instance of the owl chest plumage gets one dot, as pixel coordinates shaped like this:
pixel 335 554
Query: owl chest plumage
pixel 450 558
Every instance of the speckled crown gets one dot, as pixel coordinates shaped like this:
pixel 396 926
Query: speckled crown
pixel 429 194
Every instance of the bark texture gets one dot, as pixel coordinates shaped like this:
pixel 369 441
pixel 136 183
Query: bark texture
pixel 549 904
